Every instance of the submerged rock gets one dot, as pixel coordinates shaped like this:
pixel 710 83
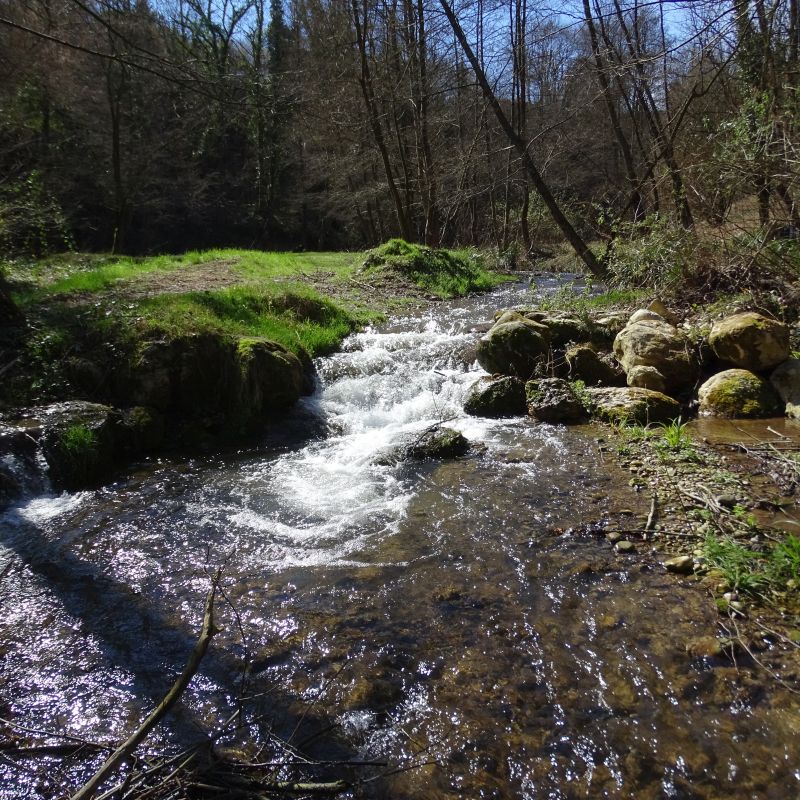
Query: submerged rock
pixel 785 381
pixel 633 405
pixel 648 340
pixel 750 341
pixel 514 347
pixel 553 400
pixel 439 442
pixel 737 393
pixel 496 397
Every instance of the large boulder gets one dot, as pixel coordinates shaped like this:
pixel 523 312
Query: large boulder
pixel 786 382
pixel 273 378
pixel 750 341
pixel 553 400
pixel 565 329
pixel 632 405
pixel 496 397
pixel 584 363
pixel 514 347
pixel 648 340
pixel 738 393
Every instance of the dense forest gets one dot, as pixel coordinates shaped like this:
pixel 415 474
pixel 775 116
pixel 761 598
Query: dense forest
pixel 156 125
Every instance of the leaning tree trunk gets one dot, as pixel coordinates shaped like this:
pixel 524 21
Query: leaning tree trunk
pixel 572 236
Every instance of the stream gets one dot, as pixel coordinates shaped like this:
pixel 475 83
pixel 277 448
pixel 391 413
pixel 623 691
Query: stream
pixel 445 618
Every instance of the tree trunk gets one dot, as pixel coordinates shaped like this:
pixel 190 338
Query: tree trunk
pixel 581 249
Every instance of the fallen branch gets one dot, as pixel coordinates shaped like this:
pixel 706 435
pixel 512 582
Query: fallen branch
pixel 124 751
pixel 652 517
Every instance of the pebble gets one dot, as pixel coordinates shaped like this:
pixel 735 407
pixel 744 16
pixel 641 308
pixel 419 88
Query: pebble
pixel 681 565
pixel 613 537
pixel 625 546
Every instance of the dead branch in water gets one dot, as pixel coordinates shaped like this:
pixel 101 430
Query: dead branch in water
pixel 126 749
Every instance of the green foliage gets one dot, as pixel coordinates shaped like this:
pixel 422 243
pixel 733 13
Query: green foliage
pixel 31 220
pixel 565 298
pixel 784 562
pixel 652 254
pixel 445 273
pixel 80 451
pixel 738 565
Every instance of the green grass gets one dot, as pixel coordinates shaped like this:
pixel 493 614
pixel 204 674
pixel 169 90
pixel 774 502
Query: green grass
pixel 581 303
pixel 444 273
pixel 72 273
pixel 295 316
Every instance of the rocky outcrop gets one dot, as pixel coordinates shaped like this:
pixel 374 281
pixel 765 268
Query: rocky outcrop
pixel 235 382
pixel 632 405
pixel 553 400
pixel 785 381
pixel 750 341
pixel 737 393
pixel 648 340
pixel 584 363
pixel 514 346
pixel 496 397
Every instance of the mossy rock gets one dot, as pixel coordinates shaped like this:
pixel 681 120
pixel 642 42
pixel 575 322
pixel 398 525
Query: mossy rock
pixel 496 397
pixel 565 330
pixel 272 377
pixel 79 443
pixel 553 400
pixel 585 364
pixel 738 393
pixel 439 442
pixel 514 348
pixel 142 429
pixel 632 405
pixel 750 341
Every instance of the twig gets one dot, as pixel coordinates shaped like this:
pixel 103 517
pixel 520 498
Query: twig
pixel 652 516
pixel 123 751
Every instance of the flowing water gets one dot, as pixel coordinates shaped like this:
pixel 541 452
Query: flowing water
pixel 443 615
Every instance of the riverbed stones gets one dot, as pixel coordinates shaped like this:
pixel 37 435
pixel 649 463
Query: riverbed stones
pixel 632 405
pixel 737 393
pixel 750 341
pixel 786 382
pixel 514 347
pixel 439 442
pixel 648 340
pixel 496 397
pixel 553 400
pixel 585 364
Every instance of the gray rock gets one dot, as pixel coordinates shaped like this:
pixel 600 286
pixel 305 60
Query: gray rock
pixel 750 341
pixel 584 363
pixel 496 397
pixel 647 378
pixel 553 400
pixel 625 546
pixel 650 341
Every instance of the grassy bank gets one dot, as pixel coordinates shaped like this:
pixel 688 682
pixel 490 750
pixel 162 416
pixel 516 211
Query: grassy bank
pixel 97 308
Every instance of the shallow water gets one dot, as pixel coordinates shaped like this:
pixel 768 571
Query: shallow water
pixel 422 612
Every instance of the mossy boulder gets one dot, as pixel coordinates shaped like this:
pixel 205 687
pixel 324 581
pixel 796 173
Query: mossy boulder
pixel 141 429
pixel 496 397
pixel 439 442
pixel 786 382
pixel 79 442
pixel 565 329
pixel 631 405
pixel 514 348
pixel 584 363
pixel 738 393
pixel 272 377
pixel 553 400
pixel 750 341
pixel 648 340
